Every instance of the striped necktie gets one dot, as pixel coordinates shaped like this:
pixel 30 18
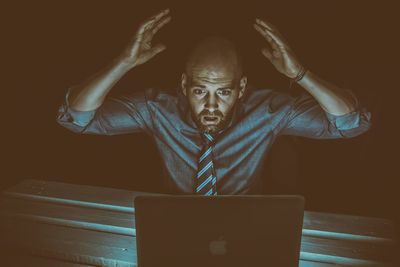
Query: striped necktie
pixel 206 180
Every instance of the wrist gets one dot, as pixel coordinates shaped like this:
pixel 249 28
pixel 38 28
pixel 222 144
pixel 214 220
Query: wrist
pixel 123 64
pixel 300 75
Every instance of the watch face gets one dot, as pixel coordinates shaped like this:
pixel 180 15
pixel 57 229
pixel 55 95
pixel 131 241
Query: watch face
pixel 218 246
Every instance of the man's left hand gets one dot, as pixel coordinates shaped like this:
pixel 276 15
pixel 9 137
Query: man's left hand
pixel 281 56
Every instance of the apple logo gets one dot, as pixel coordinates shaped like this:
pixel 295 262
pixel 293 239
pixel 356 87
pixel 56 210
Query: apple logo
pixel 218 247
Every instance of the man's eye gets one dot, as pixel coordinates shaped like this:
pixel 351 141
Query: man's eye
pixel 225 92
pixel 198 91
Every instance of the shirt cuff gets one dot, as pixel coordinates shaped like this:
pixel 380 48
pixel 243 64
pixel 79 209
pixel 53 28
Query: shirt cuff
pixel 69 115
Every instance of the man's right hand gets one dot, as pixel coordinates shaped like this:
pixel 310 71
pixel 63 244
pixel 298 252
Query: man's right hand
pixel 91 94
pixel 140 50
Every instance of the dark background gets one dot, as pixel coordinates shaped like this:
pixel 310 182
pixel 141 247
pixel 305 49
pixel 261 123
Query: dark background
pixel 50 46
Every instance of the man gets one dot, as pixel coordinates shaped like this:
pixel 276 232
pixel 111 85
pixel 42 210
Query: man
pixel 214 135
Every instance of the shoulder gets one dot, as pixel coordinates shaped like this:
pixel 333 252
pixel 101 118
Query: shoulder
pixel 270 98
pixel 150 97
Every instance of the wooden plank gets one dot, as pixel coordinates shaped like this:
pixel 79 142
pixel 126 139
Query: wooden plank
pixel 91 247
pixel 357 227
pixel 70 216
pixel 79 195
pixel 70 244
pixel 22 259
pixel 304 263
pixel 316 224
pixel 344 252
pixel 35 261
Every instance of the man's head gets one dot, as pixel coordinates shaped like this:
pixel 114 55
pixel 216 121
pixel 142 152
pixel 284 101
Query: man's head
pixel 213 82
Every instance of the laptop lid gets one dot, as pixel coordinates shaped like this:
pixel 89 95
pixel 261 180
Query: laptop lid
pixel 231 230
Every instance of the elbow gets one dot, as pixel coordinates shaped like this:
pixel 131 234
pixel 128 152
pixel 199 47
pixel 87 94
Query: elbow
pixel 66 120
pixel 70 126
pixel 75 121
pixel 364 125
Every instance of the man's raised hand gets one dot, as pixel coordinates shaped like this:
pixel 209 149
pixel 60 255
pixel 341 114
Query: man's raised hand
pixel 278 52
pixel 140 49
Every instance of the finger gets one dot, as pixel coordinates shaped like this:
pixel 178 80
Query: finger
pixel 265 24
pixel 271 30
pixel 267 53
pixel 276 39
pixel 149 22
pixel 144 27
pixel 161 14
pixel 158 16
pixel 267 35
pixel 263 32
pixel 272 43
pixel 160 25
pixel 148 36
pixel 157 49
pixel 272 38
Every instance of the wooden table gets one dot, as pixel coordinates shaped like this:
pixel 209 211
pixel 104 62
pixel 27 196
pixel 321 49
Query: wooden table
pixel 57 224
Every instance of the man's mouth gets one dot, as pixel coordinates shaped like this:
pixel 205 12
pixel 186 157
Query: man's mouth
pixel 210 120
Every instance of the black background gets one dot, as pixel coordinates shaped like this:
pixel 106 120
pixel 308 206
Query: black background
pixel 50 46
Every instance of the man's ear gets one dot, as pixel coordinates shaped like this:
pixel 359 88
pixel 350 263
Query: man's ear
pixel 184 83
pixel 242 86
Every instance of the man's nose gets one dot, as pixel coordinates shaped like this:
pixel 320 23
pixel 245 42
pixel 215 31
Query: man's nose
pixel 211 103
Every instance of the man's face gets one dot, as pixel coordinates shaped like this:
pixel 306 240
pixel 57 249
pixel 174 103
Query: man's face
pixel 212 93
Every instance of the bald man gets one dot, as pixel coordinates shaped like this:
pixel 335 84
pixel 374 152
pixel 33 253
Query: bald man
pixel 214 134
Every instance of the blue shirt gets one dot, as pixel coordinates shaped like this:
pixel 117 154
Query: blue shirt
pixel 258 119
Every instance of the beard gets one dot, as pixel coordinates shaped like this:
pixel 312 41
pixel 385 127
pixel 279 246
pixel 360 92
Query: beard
pixel 212 122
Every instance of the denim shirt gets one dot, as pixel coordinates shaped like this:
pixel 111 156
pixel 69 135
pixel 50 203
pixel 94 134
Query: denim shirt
pixel 258 119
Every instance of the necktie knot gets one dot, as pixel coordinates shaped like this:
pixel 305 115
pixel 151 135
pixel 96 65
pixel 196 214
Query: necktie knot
pixel 208 139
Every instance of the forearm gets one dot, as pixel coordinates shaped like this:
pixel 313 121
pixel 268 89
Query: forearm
pixel 332 99
pixel 90 94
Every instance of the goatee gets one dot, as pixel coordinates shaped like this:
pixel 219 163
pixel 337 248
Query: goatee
pixel 210 116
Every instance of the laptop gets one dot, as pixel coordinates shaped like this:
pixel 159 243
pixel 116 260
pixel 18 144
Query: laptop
pixel 223 231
